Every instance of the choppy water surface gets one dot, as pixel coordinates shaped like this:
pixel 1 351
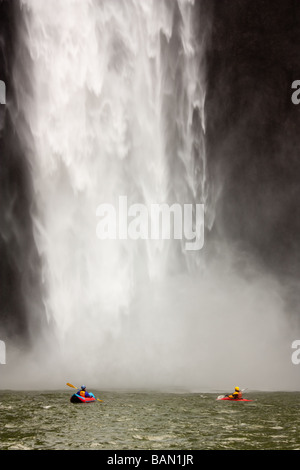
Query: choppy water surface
pixel 128 421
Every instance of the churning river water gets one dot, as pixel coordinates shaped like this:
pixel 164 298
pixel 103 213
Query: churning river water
pixel 149 421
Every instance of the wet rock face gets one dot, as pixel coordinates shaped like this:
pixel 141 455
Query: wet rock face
pixel 252 127
pixel 19 267
pixel 11 312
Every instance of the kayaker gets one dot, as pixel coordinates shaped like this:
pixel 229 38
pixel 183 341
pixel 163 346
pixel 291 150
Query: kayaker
pixel 237 394
pixel 84 393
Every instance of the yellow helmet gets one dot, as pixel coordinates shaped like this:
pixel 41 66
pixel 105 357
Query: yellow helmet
pixel 237 389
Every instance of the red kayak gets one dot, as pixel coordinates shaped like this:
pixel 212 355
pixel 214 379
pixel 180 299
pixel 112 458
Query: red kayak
pixel 221 397
pixel 79 399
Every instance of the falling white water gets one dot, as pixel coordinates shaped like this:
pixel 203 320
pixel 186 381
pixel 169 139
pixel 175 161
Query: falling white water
pixel 106 79
pixel 116 88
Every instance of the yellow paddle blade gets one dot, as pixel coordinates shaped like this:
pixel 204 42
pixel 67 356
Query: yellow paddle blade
pixel 99 400
pixel 70 385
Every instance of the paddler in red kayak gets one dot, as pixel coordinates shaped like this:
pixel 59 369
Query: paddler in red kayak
pixel 237 394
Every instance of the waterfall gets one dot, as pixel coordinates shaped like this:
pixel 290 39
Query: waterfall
pixel 116 107
pixel 116 91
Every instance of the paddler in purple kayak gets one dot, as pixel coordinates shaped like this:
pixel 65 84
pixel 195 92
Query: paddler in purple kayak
pixel 84 393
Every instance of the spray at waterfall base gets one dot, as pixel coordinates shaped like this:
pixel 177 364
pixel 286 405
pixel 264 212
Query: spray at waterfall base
pixel 186 328
pixel 191 332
